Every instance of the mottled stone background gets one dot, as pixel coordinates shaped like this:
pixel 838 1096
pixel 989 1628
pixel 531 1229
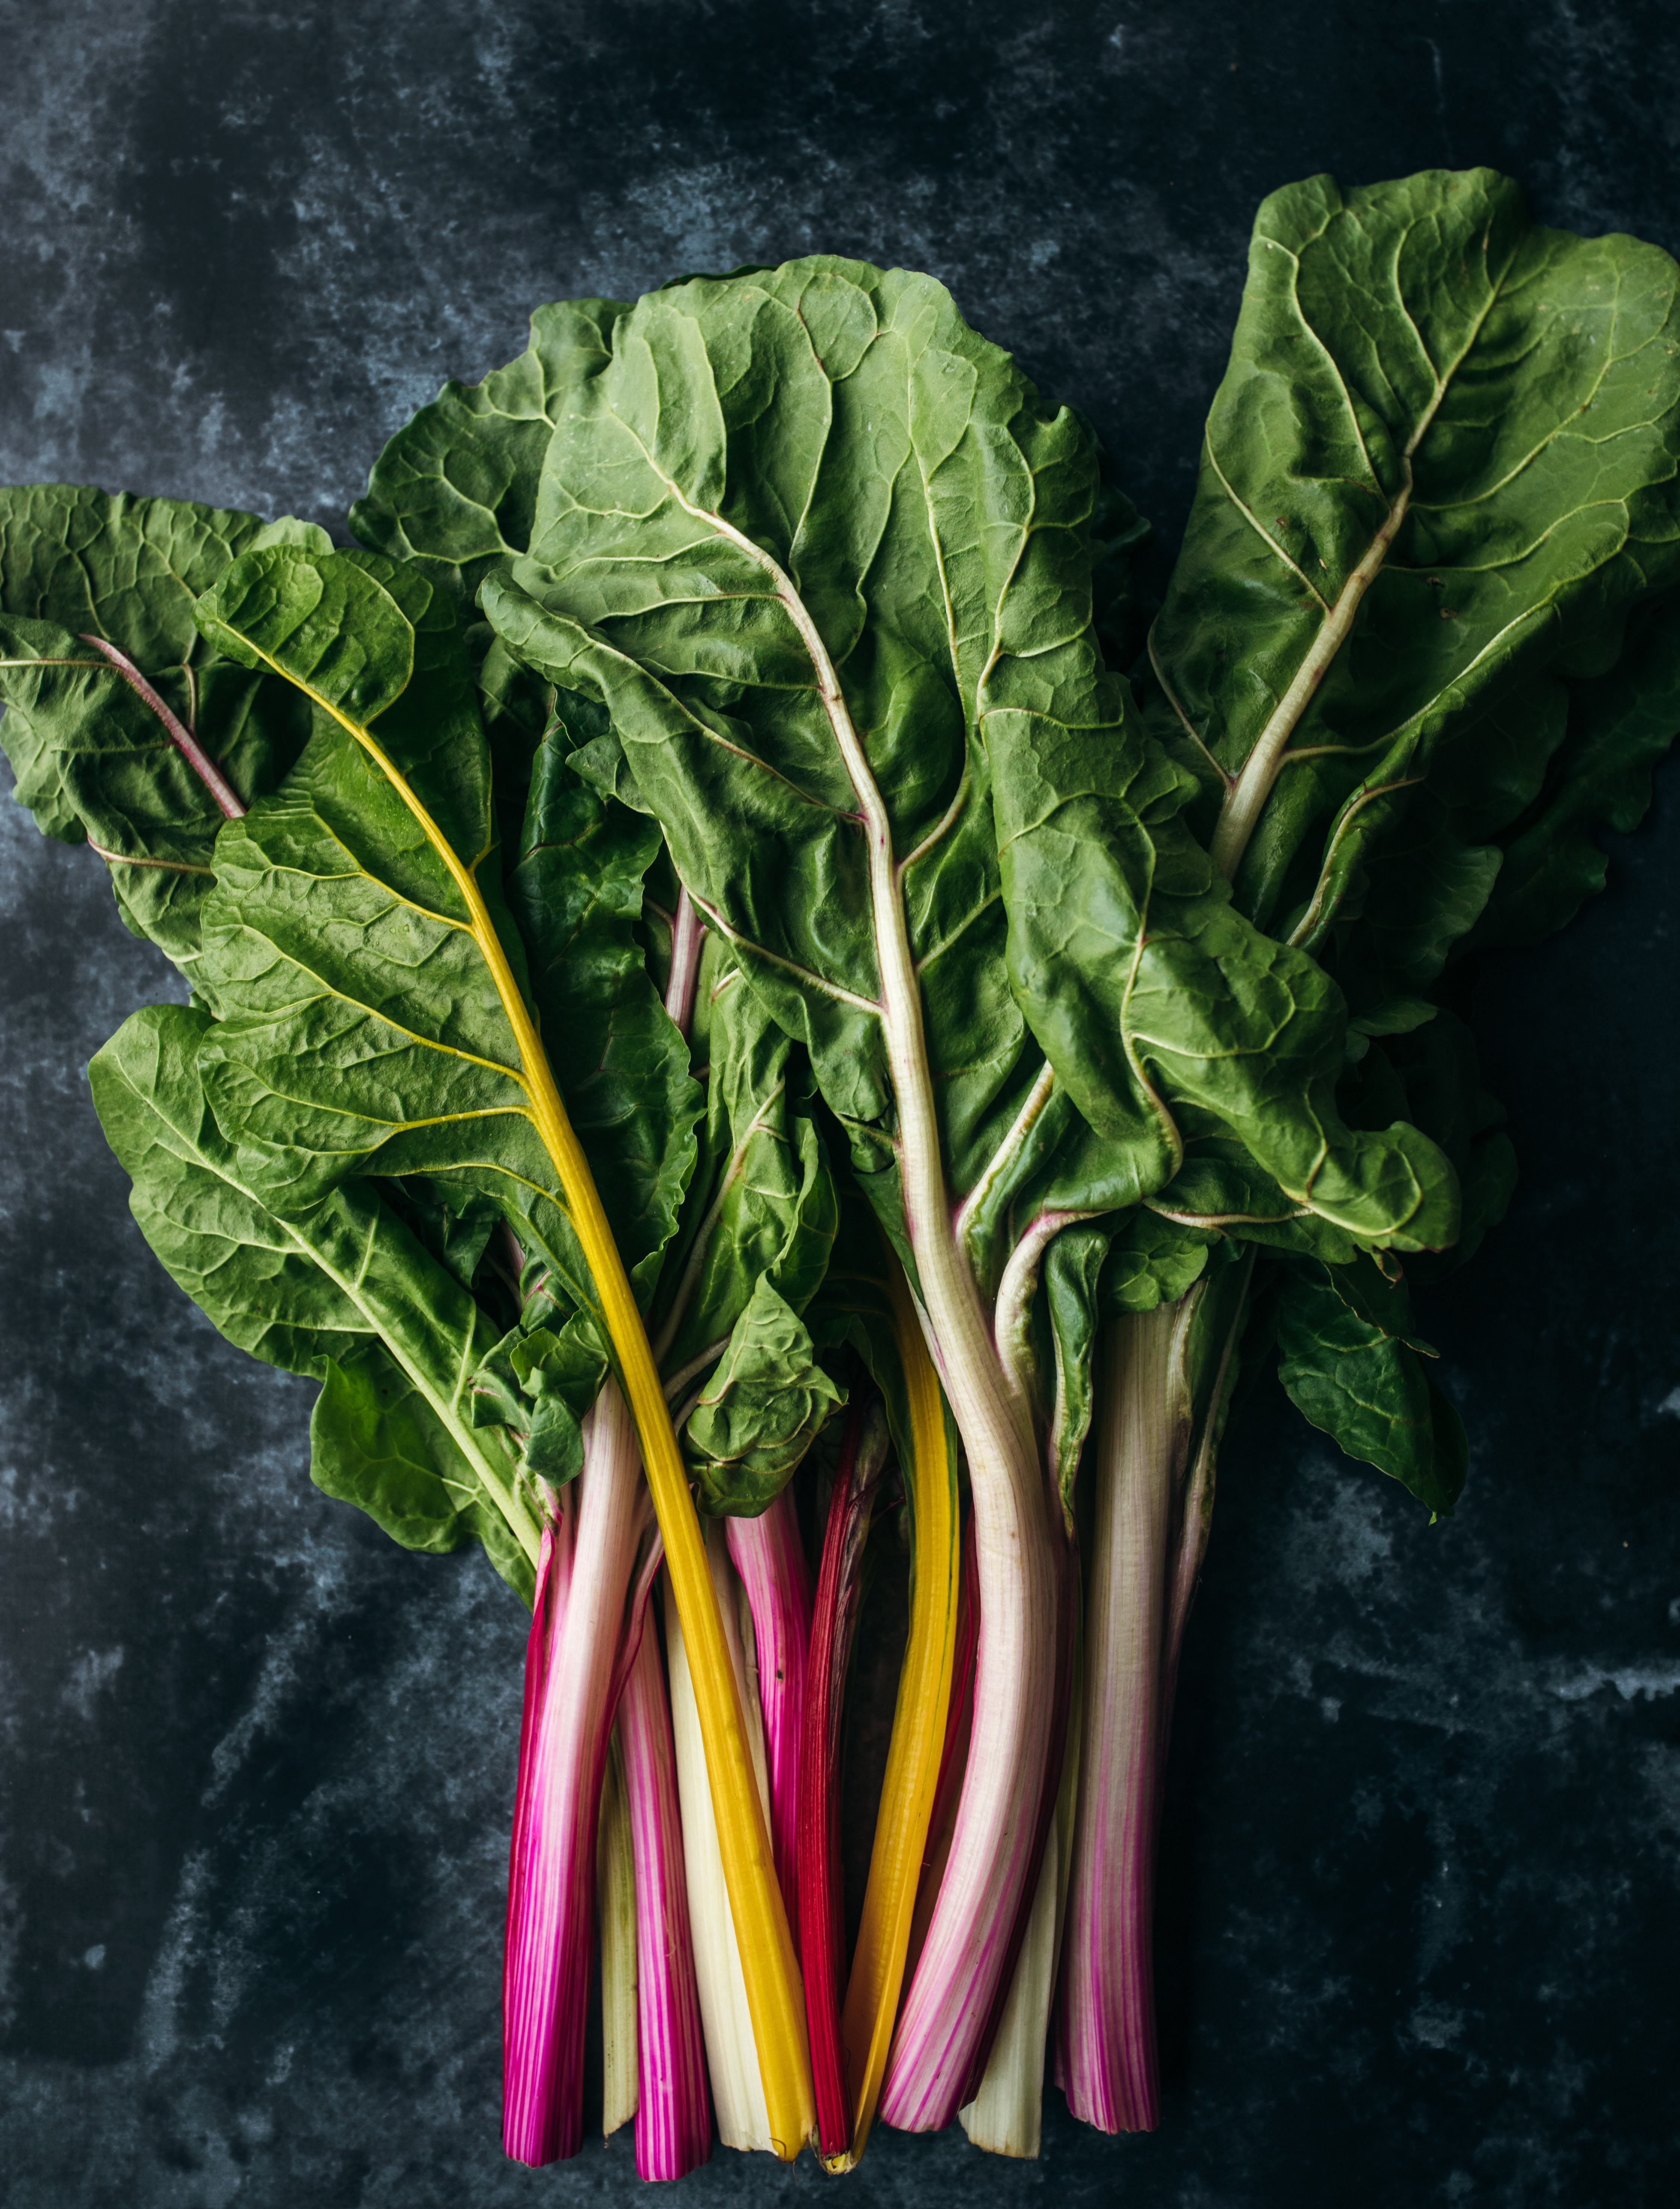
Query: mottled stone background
pixel 1418 1932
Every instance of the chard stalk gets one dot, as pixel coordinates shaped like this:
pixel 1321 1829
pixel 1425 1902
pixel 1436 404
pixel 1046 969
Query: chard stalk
pixel 589 1551
pixel 1107 2061
pixel 615 1882
pixel 914 1751
pixel 953 1754
pixel 1194 1516
pixel 732 2053
pixel 673 2117
pixel 770 1558
pixel 822 1914
pixel 992 1865
pixel 1042 1831
pixel 1005 2117
pixel 770 1969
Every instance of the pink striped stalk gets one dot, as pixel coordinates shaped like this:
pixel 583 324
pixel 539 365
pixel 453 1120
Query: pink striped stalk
pixel 770 1557
pixel 572 1669
pixel 1106 2062
pixel 673 2117
pixel 839 1589
pixel 1044 1818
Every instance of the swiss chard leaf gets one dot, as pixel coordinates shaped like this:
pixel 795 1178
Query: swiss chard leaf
pixel 825 559
pixel 1442 466
pixel 343 1292
pixel 380 1011
pixel 455 488
pixel 760 1410
pixel 761 1205
pixel 93 757
pixel 1346 1367
pixel 128 570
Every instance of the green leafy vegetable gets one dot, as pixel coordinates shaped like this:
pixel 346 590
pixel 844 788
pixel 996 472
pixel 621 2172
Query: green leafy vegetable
pixel 371 1004
pixel 1442 464
pixel 1348 1369
pixel 94 759
pixel 455 488
pixel 826 560
pixel 344 1292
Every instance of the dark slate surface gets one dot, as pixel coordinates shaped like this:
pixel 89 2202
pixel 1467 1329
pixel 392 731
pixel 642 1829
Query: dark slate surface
pixel 1419 1923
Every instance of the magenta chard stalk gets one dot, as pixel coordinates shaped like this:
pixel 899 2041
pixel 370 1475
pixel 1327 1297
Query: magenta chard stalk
pixel 767 1554
pixel 673 2115
pixel 1107 2063
pixel 821 1917
pixel 572 1661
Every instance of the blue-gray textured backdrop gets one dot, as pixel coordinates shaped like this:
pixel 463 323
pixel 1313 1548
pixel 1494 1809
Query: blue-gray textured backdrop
pixel 1419 1939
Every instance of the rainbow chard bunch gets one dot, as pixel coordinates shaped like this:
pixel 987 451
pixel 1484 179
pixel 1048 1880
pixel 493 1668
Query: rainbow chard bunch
pixel 694 943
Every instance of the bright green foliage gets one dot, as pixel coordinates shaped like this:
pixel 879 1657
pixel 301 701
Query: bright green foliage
pixel 1072 1269
pixel 1152 1260
pixel 1220 1189
pixel 762 1202
pixel 1420 620
pixel 1123 940
pixel 750 1251
pixel 1426 600
pixel 760 1410
pixel 363 1029
pixel 1442 466
pixel 128 569
pixel 821 465
pixel 92 760
pixel 1346 1363
pixel 455 487
pixel 576 893
pixel 343 1291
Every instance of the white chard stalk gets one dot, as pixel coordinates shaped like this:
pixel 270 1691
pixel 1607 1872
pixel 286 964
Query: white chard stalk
pixel 731 2054
pixel 615 1881
pixel 1107 2062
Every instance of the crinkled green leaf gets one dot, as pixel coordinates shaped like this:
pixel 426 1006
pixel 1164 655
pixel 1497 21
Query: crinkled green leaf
pixel 1143 982
pixel 540 1384
pixel 1441 464
pixel 649 600
pixel 455 488
pixel 376 1441
pixel 458 1234
pixel 761 1410
pixel 761 1205
pixel 128 569
pixel 1152 1260
pixel 1073 1265
pixel 364 1029
pixel 824 466
pixel 93 760
pixel 1366 1387
pixel 343 1291
pixel 577 893
pixel 1220 1189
